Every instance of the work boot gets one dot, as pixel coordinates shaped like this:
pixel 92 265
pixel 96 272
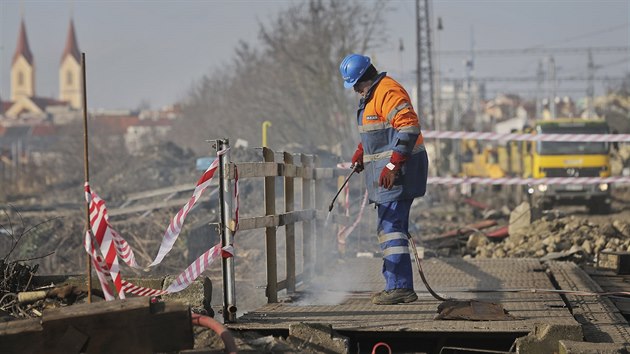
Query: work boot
pixel 375 295
pixel 394 296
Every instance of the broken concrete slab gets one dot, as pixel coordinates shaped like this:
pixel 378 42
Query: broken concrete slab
pixel 573 347
pixel 545 338
pixel 321 336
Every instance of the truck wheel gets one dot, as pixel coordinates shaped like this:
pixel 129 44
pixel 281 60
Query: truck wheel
pixel 599 206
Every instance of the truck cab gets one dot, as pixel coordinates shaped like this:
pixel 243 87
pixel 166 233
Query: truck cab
pixel 569 159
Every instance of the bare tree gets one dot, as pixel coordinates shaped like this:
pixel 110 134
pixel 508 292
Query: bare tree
pixel 291 79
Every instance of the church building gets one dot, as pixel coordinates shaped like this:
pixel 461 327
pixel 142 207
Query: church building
pixel 25 105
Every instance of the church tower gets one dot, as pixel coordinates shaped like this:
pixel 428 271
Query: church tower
pixel 70 71
pixel 22 68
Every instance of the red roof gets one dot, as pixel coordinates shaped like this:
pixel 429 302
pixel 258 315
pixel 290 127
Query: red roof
pixel 114 124
pixel 72 48
pixel 22 48
pixel 43 130
pixel 155 122
pixel 5 105
pixel 43 102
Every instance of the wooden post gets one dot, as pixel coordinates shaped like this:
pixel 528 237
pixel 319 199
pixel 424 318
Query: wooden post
pixel 270 232
pixel 319 224
pixel 289 205
pixel 86 170
pixel 308 242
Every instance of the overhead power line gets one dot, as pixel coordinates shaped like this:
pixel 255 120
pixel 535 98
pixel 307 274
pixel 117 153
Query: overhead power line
pixel 585 35
pixel 534 78
pixel 536 51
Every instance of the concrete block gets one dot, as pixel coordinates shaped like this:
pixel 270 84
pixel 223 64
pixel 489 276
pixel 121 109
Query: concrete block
pixel 573 347
pixel 319 336
pixel 545 338
pixel 197 295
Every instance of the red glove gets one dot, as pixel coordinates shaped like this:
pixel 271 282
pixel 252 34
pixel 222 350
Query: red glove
pixel 357 159
pixel 389 172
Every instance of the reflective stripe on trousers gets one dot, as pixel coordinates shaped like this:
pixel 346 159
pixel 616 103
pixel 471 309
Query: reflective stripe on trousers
pixel 393 225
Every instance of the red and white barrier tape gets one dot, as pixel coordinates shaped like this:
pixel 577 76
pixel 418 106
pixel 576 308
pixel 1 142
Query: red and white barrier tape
pixel 527 181
pixel 519 180
pixel 112 245
pixel 182 281
pixel 527 137
pixel 344 232
pixel 99 265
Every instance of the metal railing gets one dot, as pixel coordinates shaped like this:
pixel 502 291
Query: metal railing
pixel 316 186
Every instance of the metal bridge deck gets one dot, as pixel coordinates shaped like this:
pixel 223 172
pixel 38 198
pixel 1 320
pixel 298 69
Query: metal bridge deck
pixel 341 298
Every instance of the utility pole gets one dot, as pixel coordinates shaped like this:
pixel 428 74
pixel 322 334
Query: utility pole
pixel 590 88
pixel 424 68
pixel 551 86
pixel 401 49
pixel 540 78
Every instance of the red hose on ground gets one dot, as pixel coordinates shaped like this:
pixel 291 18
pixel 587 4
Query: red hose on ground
pixel 224 333
pixel 381 344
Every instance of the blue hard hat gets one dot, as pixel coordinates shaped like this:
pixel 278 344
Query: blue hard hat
pixel 352 67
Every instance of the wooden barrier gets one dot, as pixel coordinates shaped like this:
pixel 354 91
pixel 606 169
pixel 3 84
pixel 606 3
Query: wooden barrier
pixel 316 250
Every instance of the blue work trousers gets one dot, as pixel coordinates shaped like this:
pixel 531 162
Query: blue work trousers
pixel 393 226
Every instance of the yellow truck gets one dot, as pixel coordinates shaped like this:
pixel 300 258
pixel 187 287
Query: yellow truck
pixel 540 159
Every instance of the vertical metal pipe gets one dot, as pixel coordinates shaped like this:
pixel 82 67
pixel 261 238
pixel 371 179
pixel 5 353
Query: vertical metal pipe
pixel 308 244
pixel 227 264
pixel 270 232
pixel 289 206
pixel 319 224
pixel 86 171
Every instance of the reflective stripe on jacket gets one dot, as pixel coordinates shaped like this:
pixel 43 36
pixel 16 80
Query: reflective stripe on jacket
pixel 387 123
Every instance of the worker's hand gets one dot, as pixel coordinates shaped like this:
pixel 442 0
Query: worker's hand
pixel 357 159
pixel 387 178
pixel 390 171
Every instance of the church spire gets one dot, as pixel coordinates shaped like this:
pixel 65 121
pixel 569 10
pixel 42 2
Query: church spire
pixel 22 48
pixel 70 71
pixel 72 48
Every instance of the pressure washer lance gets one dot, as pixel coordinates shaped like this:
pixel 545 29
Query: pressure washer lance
pixel 332 203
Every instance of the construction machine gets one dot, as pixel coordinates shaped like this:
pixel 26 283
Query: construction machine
pixel 481 162
pixel 541 159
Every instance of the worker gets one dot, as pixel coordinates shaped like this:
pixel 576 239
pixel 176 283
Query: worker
pixel 395 161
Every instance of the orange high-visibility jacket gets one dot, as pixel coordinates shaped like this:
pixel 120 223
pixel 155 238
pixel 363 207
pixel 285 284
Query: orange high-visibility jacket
pixel 387 123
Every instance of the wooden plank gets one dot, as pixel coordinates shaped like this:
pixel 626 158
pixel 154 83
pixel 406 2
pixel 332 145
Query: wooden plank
pixel 119 326
pixel 289 206
pixel 308 244
pixel 21 336
pixel 132 325
pixel 157 205
pixel 161 191
pixel 270 232
pixel 268 169
pixel 282 284
pixel 259 222
pixel 319 224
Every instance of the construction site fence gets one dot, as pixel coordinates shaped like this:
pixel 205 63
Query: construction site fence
pixel 309 213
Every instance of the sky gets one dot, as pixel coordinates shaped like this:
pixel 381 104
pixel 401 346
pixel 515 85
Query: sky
pixel 151 52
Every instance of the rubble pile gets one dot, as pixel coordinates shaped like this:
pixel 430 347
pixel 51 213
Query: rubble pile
pixel 572 235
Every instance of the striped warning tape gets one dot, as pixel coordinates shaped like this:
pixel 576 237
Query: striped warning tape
pixel 519 180
pixel 528 181
pixel 527 137
pixel 112 245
